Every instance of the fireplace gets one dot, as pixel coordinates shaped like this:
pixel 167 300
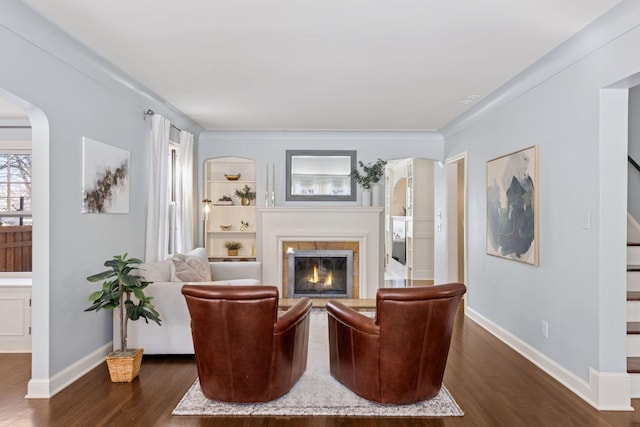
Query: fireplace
pixel 327 227
pixel 320 273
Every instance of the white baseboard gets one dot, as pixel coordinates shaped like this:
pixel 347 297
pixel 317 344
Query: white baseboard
pixel 605 391
pixel 48 387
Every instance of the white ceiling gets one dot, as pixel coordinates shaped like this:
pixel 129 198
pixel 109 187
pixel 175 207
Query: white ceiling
pixel 322 64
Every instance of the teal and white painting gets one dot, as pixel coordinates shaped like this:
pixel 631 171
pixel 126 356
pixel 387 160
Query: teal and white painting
pixel 512 215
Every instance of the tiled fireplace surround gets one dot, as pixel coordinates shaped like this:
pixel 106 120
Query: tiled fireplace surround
pixel 356 228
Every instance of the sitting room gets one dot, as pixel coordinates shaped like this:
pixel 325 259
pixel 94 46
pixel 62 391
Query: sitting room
pixel 319 213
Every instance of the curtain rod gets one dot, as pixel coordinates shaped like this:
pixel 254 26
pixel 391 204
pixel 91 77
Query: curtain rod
pixel 152 113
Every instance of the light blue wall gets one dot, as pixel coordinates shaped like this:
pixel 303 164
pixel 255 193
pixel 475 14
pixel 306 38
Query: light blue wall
pixel 555 105
pixel 270 147
pixel 80 95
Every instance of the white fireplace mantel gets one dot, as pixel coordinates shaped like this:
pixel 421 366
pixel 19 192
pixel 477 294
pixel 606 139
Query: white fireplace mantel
pixel 325 224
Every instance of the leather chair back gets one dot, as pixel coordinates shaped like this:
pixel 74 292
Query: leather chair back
pixel 400 356
pixel 244 352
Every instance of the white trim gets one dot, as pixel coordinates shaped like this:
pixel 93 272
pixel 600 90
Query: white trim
pixel 47 388
pixel 15 280
pixel 355 224
pixel 610 391
pixel 603 391
pixel 453 192
pixel 40 290
pixel 322 135
pixel 36 30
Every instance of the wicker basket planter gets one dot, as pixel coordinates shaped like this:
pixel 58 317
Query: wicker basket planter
pixel 123 368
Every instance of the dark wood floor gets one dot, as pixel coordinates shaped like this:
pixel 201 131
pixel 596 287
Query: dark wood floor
pixel 493 385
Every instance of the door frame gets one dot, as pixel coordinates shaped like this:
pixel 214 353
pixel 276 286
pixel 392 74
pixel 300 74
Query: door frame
pixel 452 197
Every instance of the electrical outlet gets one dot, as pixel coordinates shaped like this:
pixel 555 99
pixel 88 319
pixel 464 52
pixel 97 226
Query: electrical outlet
pixel 545 329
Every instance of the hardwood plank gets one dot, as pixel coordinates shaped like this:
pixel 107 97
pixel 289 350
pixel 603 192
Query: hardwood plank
pixel 493 384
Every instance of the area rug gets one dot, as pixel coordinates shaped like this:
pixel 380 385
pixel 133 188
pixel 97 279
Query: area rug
pixel 317 393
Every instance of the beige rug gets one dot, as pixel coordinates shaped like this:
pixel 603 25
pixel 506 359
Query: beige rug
pixel 317 393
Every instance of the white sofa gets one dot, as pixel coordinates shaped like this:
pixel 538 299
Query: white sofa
pixel 174 335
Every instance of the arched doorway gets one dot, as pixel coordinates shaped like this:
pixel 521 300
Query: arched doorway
pixel 15 229
pixel 39 385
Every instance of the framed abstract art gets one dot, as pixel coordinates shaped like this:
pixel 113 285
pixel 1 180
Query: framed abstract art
pixel 512 206
pixel 105 178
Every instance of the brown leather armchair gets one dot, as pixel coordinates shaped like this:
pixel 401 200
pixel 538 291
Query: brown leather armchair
pixel 244 351
pixel 400 356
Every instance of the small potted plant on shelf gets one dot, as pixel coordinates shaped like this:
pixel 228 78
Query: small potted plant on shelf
pixel 232 247
pixel 123 289
pixel 245 195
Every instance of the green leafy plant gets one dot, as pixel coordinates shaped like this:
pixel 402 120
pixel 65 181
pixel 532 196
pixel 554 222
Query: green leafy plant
pixel 232 245
pixel 119 285
pixel 246 193
pixel 371 173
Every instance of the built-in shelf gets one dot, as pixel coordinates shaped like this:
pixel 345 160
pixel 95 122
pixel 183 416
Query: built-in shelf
pixel 218 186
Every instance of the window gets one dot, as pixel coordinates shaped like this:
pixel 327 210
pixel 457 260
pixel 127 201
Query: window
pixel 15 187
pixel 15 211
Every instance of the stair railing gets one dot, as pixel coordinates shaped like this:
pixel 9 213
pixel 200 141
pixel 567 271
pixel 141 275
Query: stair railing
pixel 633 163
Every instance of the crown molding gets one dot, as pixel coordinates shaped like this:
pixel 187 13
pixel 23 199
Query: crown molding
pixel 27 24
pixel 613 24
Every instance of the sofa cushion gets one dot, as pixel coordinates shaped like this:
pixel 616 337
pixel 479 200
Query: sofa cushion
pixel 221 271
pixel 155 271
pixel 236 282
pixel 189 268
pixel 200 253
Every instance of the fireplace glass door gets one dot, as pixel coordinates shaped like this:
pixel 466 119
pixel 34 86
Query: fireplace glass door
pixel 320 273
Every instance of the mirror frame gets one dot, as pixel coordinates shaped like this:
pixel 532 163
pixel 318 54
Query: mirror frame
pixel 352 154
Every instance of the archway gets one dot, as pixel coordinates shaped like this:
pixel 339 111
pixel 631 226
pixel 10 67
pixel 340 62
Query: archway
pixel 39 385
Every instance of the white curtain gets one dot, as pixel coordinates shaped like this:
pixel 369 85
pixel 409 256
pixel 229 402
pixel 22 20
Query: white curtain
pixel 158 198
pixel 185 207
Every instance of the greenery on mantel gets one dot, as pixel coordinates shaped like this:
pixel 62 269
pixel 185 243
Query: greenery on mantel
pixel 372 173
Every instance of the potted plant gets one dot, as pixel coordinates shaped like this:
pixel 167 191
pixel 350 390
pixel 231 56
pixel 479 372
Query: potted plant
pixel 371 174
pixel 245 195
pixel 123 289
pixel 232 247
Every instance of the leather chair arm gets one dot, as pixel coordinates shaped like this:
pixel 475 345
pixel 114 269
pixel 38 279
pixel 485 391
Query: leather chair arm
pixel 352 318
pixel 291 316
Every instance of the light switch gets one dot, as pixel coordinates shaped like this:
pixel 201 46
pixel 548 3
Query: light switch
pixel 587 221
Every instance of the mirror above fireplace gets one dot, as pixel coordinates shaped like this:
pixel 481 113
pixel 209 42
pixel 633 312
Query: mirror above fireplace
pixel 320 175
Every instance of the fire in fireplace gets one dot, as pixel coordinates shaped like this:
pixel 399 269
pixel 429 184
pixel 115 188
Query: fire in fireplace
pixel 320 273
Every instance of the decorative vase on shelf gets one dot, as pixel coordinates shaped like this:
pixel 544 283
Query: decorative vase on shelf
pixel 376 195
pixel 366 197
pixel 245 201
pixel 232 252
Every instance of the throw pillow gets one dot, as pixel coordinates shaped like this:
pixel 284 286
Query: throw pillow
pixel 200 253
pixel 188 268
pixel 155 271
